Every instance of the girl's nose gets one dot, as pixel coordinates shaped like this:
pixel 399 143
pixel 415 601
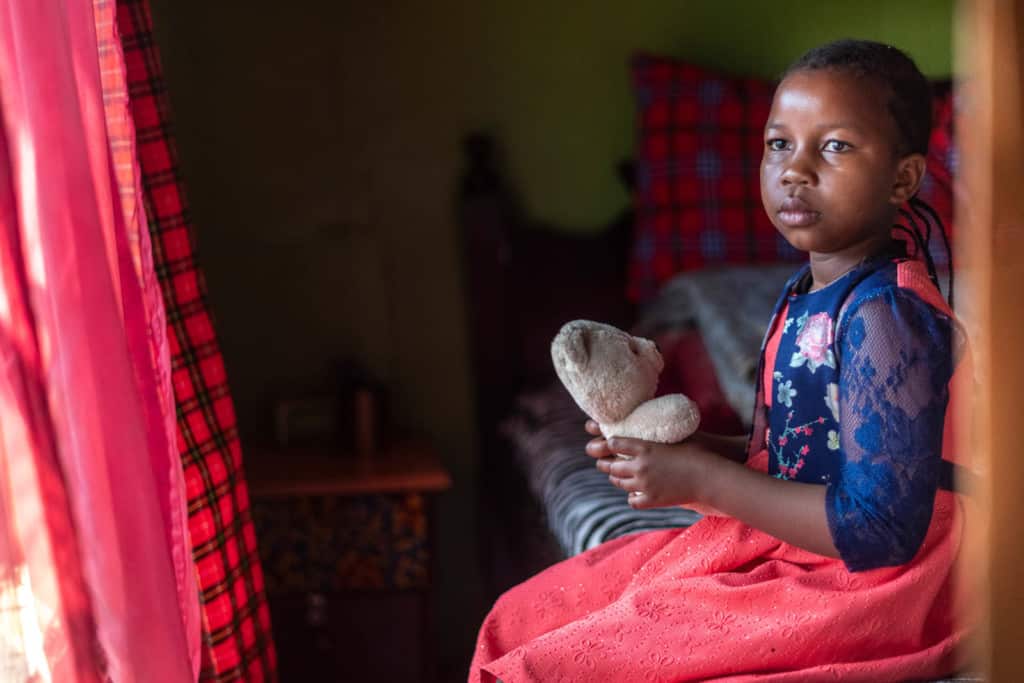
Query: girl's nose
pixel 799 172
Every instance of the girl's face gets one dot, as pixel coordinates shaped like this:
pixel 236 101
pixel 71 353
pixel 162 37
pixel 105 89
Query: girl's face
pixel 830 177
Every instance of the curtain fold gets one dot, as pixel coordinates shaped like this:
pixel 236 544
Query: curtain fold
pixel 92 542
pixel 46 627
pixel 144 299
pixel 127 550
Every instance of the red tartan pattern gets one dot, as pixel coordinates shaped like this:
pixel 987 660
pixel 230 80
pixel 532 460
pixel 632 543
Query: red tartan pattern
pixel 937 187
pixel 237 643
pixel 698 156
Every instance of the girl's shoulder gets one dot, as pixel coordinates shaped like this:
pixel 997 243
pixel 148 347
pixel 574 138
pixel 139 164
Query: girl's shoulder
pixel 888 287
pixel 908 277
pixel 896 285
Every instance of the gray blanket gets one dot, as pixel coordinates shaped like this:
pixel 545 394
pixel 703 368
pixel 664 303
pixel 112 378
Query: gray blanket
pixel 730 307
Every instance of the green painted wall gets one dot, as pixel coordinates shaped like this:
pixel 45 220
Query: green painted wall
pixel 320 143
pixel 558 90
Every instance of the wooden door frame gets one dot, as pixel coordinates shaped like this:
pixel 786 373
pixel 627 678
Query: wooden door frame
pixel 990 239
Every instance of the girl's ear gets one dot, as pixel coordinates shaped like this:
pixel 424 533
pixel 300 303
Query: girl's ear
pixel 909 174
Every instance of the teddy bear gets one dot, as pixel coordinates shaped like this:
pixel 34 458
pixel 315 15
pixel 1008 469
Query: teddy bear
pixel 613 376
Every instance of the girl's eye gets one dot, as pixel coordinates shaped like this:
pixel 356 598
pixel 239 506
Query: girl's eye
pixel 837 146
pixel 776 144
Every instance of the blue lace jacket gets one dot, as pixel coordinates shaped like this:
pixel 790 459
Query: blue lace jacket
pixel 858 400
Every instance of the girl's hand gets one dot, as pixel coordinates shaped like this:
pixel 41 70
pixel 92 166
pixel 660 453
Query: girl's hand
pixel 655 475
pixel 704 473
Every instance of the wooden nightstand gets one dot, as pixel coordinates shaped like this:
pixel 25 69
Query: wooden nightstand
pixel 348 547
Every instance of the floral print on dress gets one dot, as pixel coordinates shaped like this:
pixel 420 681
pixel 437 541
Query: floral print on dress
pixel 876 387
pixel 786 391
pixel 814 342
pixel 791 448
pixel 832 399
pixel 804 437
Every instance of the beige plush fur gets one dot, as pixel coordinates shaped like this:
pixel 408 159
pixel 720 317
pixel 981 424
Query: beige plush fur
pixel 613 376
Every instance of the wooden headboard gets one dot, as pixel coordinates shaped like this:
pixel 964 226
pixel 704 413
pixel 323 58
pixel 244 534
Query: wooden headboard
pixel 523 280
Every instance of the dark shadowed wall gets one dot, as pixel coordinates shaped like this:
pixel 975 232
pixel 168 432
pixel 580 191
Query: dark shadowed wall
pixel 320 144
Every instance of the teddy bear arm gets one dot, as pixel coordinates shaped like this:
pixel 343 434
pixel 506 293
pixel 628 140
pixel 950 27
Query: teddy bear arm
pixel 666 419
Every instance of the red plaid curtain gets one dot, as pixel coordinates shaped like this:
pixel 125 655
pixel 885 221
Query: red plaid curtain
pixel 236 639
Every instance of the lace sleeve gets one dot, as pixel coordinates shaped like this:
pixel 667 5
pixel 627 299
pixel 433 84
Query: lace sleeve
pixel 895 367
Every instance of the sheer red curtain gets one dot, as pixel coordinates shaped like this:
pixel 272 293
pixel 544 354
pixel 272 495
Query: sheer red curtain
pixel 96 574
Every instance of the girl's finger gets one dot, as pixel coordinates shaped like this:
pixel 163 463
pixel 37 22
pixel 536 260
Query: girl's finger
pixel 623 445
pixel 623 469
pixel 638 500
pixel 598 448
pixel 605 464
pixel 592 428
pixel 624 484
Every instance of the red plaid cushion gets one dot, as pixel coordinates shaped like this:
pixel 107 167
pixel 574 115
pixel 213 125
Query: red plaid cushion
pixel 698 159
pixel 237 642
pixel 937 187
pixel 698 156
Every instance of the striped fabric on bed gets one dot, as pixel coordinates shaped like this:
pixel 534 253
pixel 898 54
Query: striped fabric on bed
pixel 583 509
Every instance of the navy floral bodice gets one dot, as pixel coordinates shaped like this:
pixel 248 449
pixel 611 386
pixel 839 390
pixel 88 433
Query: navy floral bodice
pixel 858 398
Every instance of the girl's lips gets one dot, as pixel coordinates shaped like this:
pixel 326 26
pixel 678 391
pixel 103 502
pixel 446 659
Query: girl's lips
pixel 798 218
pixel 797 213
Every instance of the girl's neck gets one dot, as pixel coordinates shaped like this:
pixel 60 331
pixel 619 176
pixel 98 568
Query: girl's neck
pixel 828 267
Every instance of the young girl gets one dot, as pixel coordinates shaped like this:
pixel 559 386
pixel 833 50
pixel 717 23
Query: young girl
pixel 833 533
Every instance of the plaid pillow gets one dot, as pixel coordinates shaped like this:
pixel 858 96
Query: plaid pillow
pixel 698 159
pixel 697 198
pixel 937 186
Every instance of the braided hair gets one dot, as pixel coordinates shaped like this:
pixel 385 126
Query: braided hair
pixel 909 100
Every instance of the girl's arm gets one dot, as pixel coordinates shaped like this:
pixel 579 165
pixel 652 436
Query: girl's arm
pixel 691 472
pixel 732 447
pixel 791 511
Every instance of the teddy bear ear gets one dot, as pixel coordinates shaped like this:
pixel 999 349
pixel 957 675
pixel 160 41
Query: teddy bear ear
pixel 652 352
pixel 653 346
pixel 574 344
